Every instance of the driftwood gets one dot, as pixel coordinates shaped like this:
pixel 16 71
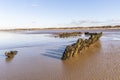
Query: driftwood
pixel 10 54
pixel 80 45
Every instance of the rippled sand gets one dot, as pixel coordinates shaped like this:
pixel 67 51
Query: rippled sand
pixel 100 62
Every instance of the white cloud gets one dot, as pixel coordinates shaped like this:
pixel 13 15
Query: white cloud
pixel 93 22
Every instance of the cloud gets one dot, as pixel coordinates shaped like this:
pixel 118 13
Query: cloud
pixel 94 22
pixel 114 20
pixel 83 22
pixel 90 21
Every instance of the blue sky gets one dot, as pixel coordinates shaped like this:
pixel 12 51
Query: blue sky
pixel 58 13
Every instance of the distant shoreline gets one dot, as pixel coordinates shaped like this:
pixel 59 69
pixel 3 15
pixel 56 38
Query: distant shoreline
pixel 65 28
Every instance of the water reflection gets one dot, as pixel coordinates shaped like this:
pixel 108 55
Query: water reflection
pixel 13 40
pixel 9 59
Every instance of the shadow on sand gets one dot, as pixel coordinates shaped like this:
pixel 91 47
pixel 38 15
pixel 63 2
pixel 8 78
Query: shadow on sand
pixel 56 54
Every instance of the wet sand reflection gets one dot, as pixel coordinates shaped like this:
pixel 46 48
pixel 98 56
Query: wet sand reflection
pixel 101 61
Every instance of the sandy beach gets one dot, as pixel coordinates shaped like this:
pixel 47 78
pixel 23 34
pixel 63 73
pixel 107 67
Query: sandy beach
pixel 38 57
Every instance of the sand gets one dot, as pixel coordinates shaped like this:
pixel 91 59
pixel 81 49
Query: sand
pixel 42 61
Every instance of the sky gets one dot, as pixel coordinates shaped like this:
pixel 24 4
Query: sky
pixel 58 13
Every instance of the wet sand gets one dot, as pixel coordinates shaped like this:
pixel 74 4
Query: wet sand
pixel 42 62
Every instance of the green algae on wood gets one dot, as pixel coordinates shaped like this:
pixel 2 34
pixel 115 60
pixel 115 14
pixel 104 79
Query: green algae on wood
pixel 10 54
pixel 68 34
pixel 80 45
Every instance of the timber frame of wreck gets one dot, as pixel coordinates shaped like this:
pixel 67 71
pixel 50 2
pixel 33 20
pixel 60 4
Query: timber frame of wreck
pixel 80 45
pixel 68 34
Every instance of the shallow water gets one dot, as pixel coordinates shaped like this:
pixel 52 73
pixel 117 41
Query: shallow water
pixel 38 58
pixel 13 40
